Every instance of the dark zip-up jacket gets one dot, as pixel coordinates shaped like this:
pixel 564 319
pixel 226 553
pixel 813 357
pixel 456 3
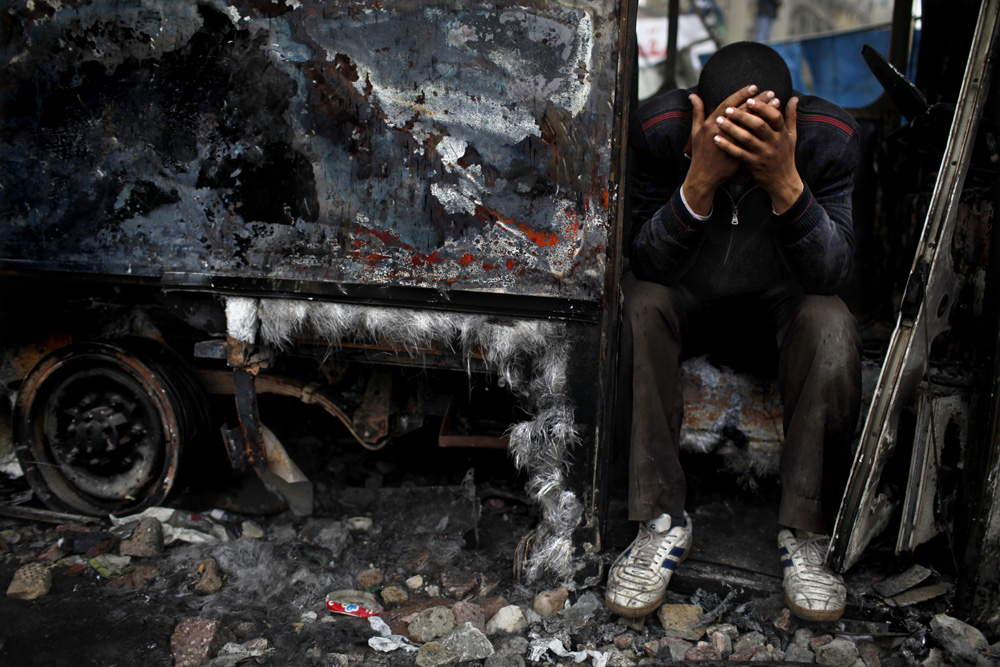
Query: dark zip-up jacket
pixel 743 247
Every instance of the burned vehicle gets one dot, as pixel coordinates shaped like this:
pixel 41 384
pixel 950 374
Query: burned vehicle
pixel 402 211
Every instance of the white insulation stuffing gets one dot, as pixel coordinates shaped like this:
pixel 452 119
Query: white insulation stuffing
pixel 530 356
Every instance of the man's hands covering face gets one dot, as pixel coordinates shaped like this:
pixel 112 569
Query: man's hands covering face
pixel 747 129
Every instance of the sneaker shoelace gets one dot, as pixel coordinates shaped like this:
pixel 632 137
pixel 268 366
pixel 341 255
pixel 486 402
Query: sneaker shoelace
pixel 647 553
pixel 813 550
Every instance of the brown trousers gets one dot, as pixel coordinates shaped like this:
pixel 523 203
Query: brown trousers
pixel 819 373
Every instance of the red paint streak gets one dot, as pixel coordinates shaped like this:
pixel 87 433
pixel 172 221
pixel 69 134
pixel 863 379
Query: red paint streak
pixel 605 198
pixel 488 267
pixel 357 244
pixel 419 257
pixel 466 259
pixel 541 238
pixel 385 236
pixel 372 258
pixel 510 265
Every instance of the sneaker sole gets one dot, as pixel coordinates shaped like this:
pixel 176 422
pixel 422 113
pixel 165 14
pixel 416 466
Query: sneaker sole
pixel 632 612
pixel 813 614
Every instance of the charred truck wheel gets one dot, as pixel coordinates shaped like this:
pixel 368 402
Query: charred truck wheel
pixel 99 427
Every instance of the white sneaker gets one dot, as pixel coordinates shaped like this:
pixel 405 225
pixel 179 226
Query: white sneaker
pixel 812 590
pixel 637 582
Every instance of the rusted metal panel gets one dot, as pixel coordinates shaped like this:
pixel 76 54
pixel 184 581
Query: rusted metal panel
pixel 399 143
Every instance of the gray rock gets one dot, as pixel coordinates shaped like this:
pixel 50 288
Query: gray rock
pixel 466 642
pixel 146 540
pixel 748 642
pixel 670 648
pixel 870 653
pixel 961 641
pixel 430 624
pixel 722 642
pixel 469 612
pixel 434 654
pixel 327 533
pixel 837 653
pixel 505 659
pixel 551 602
pixel 515 644
pixel 727 629
pixel 582 612
pixel 799 653
pixel 509 619
pixel 394 595
pixel 703 651
pixel 935 658
pixel 369 579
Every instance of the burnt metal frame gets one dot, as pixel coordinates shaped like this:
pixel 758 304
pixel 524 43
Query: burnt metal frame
pixel 930 292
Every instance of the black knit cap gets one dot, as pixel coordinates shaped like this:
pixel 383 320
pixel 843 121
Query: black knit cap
pixel 740 64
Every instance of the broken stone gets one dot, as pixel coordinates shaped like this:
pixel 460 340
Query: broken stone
pixel 52 553
pixel 837 653
pixel 327 533
pixel 901 582
pixel 146 540
pixel 433 590
pixel 431 624
pixel 251 530
pixel 415 582
pixel 703 651
pixel 961 641
pixel 785 622
pixel 369 579
pixel 670 648
pixel 469 612
pixel 636 624
pixel 458 584
pixel 360 524
pixel 434 654
pixel 101 548
pixel 817 642
pixel 582 612
pixel 196 640
pixel 30 581
pixel 682 621
pixel 728 629
pixel 624 640
pixel 869 653
pixel 488 583
pixel 111 566
pixel 211 577
pixel 922 594
pixel 509 619
pixel 747 645
pixel 504 659
pixel 10 537
pixel 492 605
pixel 722 643
pixel 143 573
pixel 551 602
pixel 798 649
pixel 394 595
pixel 935 658
pixel 467 642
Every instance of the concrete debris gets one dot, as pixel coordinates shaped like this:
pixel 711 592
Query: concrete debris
pixel 111 566
pixel 682 621
pixel 895 585
pixel 146 540
pixel 394 596
pixel 458 584
pixel 837 653
pixel 466 642
pixel 703 651
pixel 469 612
pixel 431 624
pixel 509 619
pixel 922 594
pixel 209 577
pixel 31 581
pixel 197 640
pixel 963 643
pixel 435 654
pixel 369 579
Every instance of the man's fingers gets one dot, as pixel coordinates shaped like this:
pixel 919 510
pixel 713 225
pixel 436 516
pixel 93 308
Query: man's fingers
pixel 767 107
pixel 697 111
pixel 737 98
pixel 741 127
pixel 735 150
pixel 790 110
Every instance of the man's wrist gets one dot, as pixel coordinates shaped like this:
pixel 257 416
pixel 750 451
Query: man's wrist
pixel 698 200
pixel 785 197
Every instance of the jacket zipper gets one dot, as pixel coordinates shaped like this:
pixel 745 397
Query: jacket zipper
pixel 735 221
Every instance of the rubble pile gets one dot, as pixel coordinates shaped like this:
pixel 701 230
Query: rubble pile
pixel 404 565
pixel 231 590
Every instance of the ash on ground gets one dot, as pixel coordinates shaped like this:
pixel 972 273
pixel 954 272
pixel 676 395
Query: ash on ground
pixel 425 538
